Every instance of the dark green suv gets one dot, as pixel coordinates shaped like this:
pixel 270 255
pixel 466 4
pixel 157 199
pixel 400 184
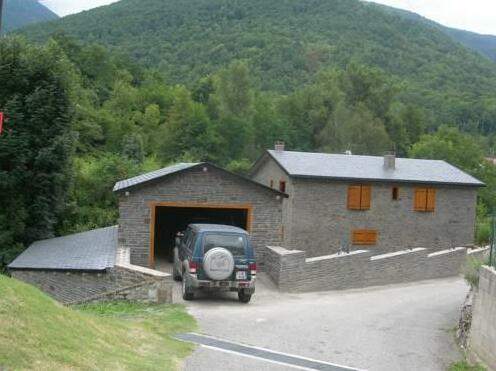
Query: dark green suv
pixel 215 257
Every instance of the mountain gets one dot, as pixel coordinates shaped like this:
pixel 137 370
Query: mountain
pixel 19 13
pixel 286 42
pixel 484 44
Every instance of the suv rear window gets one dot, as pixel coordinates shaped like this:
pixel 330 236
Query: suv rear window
pixel 235 243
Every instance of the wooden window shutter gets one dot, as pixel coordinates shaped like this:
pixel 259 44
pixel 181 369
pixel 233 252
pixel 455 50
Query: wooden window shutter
pixel 364 237
pixel 431 199
pixel 365 198
pixel 420 200
pixel 354 197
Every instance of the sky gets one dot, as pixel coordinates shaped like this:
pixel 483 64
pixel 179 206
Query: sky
pixel 472 15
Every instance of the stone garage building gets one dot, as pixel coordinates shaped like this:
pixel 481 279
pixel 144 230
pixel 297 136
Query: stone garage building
pixel 153 207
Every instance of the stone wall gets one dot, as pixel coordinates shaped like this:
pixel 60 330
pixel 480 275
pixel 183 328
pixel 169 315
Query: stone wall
pixel 322 223
pixel 269 171
pixel 483 331
pixel 198 186
pixel 118 283
pixel 292 271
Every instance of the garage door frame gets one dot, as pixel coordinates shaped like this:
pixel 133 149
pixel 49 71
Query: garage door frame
pixel 199 205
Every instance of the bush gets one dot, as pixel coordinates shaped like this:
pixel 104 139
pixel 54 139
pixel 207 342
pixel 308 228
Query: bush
pixel 471 269
pixel 483 233
pixel 465 366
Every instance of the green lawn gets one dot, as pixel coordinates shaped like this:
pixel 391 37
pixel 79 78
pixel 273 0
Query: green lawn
pixel 38 333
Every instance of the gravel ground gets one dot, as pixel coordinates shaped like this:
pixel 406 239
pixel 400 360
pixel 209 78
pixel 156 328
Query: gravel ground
pixel 397 327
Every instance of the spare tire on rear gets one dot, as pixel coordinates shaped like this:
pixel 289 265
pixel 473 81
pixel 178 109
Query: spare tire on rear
pixel 218 263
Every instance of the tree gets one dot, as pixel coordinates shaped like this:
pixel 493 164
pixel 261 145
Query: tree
pixel 187 131
pixel 37 145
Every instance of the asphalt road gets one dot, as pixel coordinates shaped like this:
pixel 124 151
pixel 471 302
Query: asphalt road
pixel 398 327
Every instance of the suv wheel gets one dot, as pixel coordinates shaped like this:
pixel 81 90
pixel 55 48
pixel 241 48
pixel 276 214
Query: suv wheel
pixel 244 297
pixel 187 293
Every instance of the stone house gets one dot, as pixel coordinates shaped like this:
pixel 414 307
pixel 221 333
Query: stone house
pixel 301 209
pixel 347 202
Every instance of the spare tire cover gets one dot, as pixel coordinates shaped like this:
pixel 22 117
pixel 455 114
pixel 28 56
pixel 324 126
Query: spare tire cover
pixel 218 263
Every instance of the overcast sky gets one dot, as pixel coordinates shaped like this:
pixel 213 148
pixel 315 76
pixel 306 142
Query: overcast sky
pixel 473 15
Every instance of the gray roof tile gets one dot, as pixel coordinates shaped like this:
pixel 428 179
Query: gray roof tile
pixel 93 250
pixel 341 166
pixel 143 178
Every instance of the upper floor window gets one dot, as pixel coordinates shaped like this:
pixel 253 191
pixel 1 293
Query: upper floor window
pixel 272 183
pixel 359 197
pixel 395 193
pixel 425 199
pixel 282 186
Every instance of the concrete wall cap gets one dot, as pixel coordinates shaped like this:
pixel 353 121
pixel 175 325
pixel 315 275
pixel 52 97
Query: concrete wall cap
pixel 397 253
pixel 333 256
pixel 447 251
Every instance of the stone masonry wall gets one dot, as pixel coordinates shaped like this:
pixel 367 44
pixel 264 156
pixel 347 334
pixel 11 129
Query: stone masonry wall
pixel 117 283
pixel 270 171
pixel 198 186
pixel 322 223
pixel 483 331
pixel 291 271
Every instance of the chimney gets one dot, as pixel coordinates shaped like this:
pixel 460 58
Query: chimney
pixel 279 146
pixel 390 161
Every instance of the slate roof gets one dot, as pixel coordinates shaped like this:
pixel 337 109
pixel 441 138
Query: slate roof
pixel 157 174
pixel 143 178
pixel 93 250
pixel 370 168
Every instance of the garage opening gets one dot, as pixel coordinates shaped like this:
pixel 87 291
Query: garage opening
pixel 169 220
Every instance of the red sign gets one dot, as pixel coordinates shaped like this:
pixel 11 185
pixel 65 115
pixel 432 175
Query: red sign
pixel 1 122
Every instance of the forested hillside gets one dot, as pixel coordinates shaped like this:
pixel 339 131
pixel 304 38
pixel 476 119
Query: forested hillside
pixel 19 13
pixel 286 42
pixel 483 44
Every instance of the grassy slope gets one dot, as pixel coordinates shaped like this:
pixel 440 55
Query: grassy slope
pixel 36 332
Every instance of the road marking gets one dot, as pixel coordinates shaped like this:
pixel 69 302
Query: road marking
pixel 250 351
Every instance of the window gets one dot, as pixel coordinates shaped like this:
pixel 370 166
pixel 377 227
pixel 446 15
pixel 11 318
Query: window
pixel 364 236
pixel 425 199
pixel 359 197
pixel 272 183
pixel 234 243
pixel 395 194
pixel 282 186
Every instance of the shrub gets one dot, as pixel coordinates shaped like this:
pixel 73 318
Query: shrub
pixel 483 233
pixel 471 269
pixel 465 366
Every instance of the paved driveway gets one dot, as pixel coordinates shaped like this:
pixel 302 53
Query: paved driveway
pixel 399 327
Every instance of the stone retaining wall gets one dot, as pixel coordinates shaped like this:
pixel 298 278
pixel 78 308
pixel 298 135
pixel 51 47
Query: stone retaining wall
pixel 292 271
pixel 124 282
pixel 483 332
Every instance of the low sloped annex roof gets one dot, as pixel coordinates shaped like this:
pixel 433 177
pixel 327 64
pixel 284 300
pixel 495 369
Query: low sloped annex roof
pixel 88 251
pixel 173 169
pixel 370 168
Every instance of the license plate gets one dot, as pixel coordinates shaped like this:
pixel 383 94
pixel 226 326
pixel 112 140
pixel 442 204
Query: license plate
pixel 241 275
